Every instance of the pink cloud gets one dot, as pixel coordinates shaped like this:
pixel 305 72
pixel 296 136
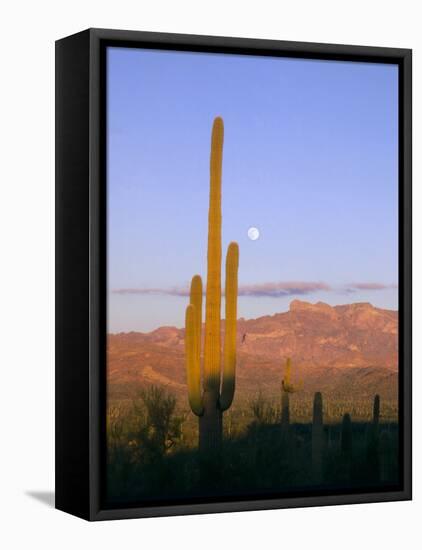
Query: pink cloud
pixel 271 289
pixel 289 288
pixel 353 287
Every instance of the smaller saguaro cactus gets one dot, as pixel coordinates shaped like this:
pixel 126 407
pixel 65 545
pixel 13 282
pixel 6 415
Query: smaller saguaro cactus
pixel 346 435
pixel 346 444
pixel 286 384
pixel 317 438
pixel 372 434
pixel 385 457
pixel 286 389
pixel 376 413
pixel 285 412
pixel 372 441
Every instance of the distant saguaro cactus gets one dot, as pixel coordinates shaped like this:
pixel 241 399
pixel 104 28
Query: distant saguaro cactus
pixel 346 435
pixel 385 457
pixel 346 445
pixel 376 415
pixel 317 438
pixel 285 412
pixel 286 389
pixel 286 384
pixel 209 403
pixel 373 441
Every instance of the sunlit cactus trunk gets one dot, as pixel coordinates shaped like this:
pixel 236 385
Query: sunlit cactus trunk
pixel 317 438
pixel 217 392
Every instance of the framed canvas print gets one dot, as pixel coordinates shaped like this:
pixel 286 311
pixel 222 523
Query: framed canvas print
pixel 233 274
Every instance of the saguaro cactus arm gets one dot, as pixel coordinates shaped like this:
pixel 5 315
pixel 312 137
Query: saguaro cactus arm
pixel 196 300
pixel 229 367
pixel 193 368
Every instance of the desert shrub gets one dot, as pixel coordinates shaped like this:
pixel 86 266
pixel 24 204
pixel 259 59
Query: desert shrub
pixel 157 426
pixel 263 411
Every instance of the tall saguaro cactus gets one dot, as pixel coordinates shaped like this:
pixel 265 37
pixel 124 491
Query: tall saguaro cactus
pixel 217 393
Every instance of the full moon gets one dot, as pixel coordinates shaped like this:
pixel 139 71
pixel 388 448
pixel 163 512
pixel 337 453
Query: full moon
pixel 253 233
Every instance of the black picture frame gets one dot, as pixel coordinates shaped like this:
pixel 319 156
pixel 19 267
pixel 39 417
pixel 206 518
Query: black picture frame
pixel 81 273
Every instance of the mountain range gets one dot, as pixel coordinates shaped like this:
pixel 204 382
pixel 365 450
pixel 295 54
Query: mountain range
pixel 347 350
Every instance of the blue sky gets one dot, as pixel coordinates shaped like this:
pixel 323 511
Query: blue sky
pixel 310 159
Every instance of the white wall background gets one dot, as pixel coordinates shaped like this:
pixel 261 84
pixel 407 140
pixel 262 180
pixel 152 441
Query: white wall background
pixel 29 29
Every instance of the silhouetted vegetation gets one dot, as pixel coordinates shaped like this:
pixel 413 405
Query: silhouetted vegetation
pixel 152 456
